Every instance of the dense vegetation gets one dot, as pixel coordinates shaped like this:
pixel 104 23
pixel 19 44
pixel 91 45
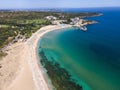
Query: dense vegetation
pixel 60 78
pixel 23 23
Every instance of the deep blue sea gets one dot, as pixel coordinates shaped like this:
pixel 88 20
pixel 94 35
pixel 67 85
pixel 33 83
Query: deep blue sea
pixel 91 57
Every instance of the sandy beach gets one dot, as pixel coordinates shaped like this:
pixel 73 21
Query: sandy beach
pixel 21 69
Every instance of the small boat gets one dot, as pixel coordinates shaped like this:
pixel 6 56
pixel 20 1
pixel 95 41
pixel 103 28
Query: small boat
pixel 83 28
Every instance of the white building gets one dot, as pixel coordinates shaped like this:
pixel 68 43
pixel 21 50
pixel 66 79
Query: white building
pixel 51 18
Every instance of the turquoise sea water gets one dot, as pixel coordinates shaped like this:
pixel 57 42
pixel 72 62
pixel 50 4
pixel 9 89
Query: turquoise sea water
pixel 92 57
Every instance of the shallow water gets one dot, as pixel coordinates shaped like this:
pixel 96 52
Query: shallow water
pixel 92 57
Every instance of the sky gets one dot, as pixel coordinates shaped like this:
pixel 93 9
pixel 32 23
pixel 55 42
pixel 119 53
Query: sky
pixel 8 4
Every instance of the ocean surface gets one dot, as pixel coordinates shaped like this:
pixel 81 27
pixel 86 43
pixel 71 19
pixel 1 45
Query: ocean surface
pixel 91 57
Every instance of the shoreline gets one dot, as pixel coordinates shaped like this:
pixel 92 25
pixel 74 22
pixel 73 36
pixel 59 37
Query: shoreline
pixel 44 30
pixel 29 74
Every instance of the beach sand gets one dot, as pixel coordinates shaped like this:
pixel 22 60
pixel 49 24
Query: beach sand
pixel 21 69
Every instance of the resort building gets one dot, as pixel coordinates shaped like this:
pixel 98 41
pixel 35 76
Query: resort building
pixel 51 18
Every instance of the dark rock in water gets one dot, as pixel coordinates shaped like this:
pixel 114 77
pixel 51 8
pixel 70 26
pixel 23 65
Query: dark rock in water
pixel 60 78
